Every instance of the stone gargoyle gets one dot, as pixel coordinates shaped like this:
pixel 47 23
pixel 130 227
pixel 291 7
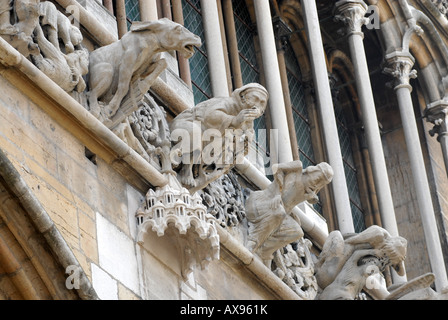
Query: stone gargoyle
pixel 134 59
pixel 215 134
pixel 345 265
pixel 269 212
pixel 18 19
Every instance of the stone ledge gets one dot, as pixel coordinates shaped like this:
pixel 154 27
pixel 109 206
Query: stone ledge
pixel 77 120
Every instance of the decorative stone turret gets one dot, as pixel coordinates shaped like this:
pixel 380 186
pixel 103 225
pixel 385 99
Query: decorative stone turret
pixel 172 206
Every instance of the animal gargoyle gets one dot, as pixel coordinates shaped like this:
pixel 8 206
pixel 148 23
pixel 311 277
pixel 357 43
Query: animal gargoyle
pixel 136 56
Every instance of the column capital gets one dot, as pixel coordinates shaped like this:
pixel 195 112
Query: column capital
pixel 352 13
pixel 437 113
pixel 399 66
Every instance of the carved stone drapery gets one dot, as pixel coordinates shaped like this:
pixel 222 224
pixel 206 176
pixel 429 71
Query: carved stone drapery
pixel 215 134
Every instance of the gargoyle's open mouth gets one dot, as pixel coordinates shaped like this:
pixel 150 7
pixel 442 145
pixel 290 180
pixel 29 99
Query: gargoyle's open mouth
pixel 188 51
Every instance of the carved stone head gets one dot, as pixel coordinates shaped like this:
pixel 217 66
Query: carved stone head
pixel 315 178
pixel 171 35
pixel 252 95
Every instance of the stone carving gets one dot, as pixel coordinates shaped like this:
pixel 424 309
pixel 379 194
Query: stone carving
pixel 269 212
pixel 128 67
pixel 344 266
pixel 417 289
pixel 229 122
pixel 57 26
pixel 172 207
pixel 442 5
pixel 293 264
pixel 36 31
pixel 224 198
pixel 147 132
pixel 18 19
pixel 67 70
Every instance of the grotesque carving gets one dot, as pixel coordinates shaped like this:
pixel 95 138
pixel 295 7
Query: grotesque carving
pixel 18 19
pixel 228 121
pixel 344 266
pixel 293 264
pixel 271 225
pixel 64 69
pixel 39 39
pixel 57 26
pixel 133 61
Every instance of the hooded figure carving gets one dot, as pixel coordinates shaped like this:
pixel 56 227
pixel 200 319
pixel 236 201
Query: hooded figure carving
pixel 226 119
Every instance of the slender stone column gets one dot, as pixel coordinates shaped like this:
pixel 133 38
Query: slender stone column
pixel 437 113
pixel 121 18
pixel 281 32
pixel 215 52
pixel 273 79
pixel 400 67
pixel 184 65
pixel 109 5
pixel 325 104
pixel 148 10
pixel 232 42
pixel 352 13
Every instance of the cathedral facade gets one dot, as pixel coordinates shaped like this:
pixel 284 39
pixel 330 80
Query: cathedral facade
pixel 223 149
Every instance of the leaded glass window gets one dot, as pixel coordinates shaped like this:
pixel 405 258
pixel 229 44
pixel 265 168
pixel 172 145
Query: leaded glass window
pixel 132 11
pixel 249 69
pixel 200 75
pixel 300 112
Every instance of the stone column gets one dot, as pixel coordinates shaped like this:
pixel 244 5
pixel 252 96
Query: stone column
pixel 148 10
pixel 352 13
pixel 437 113
pixel 272 79
pixel 121 18
pixel 184 65
pixel 109 5
pixel 282 32
pixel 400 67
pixel 232 43
pixel 215 52
pixel 325 104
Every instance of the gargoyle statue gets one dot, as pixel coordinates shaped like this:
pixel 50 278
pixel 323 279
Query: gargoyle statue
pixel 136 57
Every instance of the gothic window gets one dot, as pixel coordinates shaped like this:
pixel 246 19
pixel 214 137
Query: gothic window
pixel 200 75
